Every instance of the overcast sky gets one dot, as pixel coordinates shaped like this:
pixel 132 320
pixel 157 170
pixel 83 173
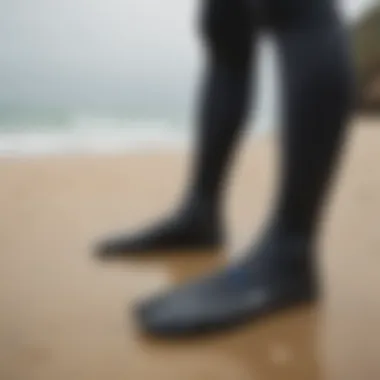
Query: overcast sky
pixel 143 53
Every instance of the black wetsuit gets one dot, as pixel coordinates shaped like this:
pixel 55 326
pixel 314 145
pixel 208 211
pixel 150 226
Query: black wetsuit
pixel 317 88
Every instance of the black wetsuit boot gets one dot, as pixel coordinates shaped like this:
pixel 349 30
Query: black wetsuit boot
pixel 229 45
pixel 278 271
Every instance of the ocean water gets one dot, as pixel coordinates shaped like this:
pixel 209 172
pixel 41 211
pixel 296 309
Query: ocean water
pixel 35 128
pixel 100 134
pixel 85 77
pixel 86 134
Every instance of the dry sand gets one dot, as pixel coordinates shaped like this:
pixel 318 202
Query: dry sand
pixel 64 316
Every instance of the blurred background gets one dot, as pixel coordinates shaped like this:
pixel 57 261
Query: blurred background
pixel 122 76
pixel 97 75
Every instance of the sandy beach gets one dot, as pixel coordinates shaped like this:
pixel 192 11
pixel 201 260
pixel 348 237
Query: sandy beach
pixel 65 315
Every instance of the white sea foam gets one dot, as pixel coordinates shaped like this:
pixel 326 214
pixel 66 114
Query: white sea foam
pixel 82 134
pixel 92 135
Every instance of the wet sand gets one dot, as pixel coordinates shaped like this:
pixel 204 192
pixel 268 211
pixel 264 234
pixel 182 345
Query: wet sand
pixel 66 316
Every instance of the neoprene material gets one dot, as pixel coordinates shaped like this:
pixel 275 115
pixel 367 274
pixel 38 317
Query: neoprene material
pixel 317 91
pixel 229 35
pixel 280 275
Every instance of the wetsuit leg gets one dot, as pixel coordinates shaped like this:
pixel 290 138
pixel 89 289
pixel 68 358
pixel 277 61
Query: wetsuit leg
pixel 228 33
pixel 278 270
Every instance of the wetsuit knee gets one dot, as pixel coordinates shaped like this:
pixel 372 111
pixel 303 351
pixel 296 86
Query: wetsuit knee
pixel 300 14
pixel 300 24
pixel 226 27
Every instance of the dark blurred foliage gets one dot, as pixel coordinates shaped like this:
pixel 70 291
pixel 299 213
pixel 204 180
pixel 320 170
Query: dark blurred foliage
pixel 366 37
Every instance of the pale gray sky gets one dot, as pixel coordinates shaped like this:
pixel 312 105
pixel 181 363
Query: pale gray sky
pixel 96 53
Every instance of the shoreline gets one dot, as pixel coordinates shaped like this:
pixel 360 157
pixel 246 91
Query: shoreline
pixel 99 141
pixel 117 141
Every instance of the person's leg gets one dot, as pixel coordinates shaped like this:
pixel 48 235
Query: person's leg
pixel 228 34
pixel 278 271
